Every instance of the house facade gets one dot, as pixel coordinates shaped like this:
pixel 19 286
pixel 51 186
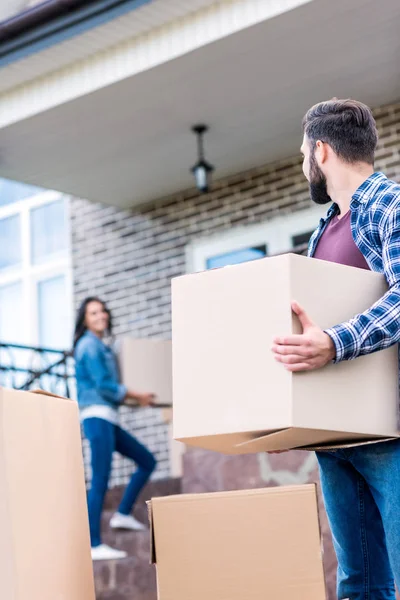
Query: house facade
pixel 98 102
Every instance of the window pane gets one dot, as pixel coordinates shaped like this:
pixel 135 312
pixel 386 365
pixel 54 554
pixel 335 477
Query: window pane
pixel 300 241
pixel 48 230
pixel 13 191
pixel 10 242
pixel 12 331
pixel 54 325
pixel 236 256
pixel 11 317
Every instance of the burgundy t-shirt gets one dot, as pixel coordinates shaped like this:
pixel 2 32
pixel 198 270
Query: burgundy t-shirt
pixel 337 245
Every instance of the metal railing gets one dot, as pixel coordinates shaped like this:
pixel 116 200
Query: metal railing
pixel 28 367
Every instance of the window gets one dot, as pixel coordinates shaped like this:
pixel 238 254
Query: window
pixel 236 256
pixel 53 314
pixel 11 313
pixel 35 273
pixel 48 231
pixel 10 236
pixel 301 239
pixel 12 331
pixel 12 191
pixel 281 234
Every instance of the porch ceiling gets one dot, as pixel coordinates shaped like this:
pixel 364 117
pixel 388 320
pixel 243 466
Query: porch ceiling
pixel 130 142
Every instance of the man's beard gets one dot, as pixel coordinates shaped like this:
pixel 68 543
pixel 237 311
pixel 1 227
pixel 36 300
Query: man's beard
pixel 318 186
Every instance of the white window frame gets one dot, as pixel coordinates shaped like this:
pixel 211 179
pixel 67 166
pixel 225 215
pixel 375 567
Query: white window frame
pixel 29 274
pixel 276 234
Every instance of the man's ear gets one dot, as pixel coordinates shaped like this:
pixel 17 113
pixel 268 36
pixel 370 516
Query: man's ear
pixel 321 151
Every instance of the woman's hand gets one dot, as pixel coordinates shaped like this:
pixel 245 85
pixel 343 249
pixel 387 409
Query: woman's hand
pixel 146 399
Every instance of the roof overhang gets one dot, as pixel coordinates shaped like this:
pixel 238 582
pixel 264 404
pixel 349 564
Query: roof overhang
pixel 114 126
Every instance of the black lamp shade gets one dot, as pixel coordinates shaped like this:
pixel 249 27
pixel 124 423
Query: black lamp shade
pixel 202 173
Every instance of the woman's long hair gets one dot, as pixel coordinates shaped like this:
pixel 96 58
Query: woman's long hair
pixel 80 327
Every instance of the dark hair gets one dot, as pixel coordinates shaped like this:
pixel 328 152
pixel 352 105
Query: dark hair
pixel 80 327
pixel 347 126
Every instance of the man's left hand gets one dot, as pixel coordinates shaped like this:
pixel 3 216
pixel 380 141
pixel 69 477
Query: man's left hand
pixel 313 349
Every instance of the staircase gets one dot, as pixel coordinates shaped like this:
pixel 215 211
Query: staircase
pixel 132 577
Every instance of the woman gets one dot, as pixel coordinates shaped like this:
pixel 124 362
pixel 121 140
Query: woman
pixel 100 393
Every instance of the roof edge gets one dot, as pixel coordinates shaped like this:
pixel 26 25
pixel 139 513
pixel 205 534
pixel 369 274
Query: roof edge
pixel 54 21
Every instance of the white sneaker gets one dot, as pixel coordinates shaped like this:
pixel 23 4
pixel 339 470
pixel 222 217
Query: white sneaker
pixel 104 552
pixel 119 521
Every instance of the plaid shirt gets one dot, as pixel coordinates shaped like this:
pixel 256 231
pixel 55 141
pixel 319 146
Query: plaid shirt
pixel 375 225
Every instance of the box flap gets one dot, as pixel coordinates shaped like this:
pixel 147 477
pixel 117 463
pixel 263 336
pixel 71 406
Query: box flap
pixel 349 444
pixel 153 559
pixel 45 393
pixel 301 439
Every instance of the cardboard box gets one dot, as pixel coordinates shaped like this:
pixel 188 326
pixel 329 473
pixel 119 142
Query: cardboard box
pixel 44 541
pixel 146 366
pixel 257 544
pixel 176 449
pixel 230 395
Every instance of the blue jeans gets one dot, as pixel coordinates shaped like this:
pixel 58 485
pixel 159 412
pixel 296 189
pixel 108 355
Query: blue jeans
pixel 105 438
pixel 361 489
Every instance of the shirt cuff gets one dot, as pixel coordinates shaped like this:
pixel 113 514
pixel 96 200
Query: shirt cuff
pixel 339 347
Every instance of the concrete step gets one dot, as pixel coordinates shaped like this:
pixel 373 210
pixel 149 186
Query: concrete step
pixel 132 577
pixel 126 579
pixel 136 543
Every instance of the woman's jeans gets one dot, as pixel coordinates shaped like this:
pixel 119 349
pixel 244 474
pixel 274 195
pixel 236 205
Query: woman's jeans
pixel 361 488
pixel 105 438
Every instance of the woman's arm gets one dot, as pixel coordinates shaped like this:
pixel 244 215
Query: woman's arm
pixel 96 364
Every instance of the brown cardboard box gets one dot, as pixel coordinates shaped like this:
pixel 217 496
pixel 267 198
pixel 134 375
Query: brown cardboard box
pixel 44 541
pixel 146 366
pixel 176 449
pixel 256 544
pixel 230 395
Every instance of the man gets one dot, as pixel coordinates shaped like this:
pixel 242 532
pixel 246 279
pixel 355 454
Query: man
pixel 361 485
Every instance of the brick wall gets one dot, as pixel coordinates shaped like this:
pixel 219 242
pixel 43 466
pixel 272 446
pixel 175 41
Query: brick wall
pixel 129 257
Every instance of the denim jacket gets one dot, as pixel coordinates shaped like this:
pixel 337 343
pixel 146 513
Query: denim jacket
pixel 97 373
pixel 375 225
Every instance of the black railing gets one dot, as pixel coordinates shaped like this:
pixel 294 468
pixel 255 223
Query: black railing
pixel 26 367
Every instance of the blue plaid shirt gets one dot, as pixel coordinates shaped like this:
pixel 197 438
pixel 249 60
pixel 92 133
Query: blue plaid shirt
pixel 375 225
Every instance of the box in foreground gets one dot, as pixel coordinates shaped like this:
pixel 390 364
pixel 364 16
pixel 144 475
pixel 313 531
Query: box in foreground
pixel 146 366
pixel 230 395
pixel 44 541
pixel 254 544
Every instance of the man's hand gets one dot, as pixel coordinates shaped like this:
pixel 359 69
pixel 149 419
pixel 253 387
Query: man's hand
pixel 310 350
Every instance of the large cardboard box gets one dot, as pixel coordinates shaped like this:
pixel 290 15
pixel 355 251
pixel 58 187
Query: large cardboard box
pixel 230 395
pixel 176 449
pixel 257 544
pixel 44 541
pixel 146 366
